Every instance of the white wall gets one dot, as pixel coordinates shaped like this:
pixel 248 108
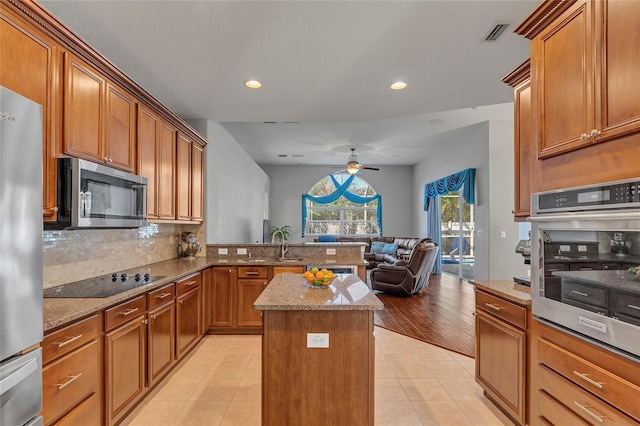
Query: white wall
pixel 235 189
pixel 288 183
pixel 487 147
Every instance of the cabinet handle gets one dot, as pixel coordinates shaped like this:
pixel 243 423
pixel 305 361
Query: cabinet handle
pixel 128 312
pixel 145 321
pixel 584 377
pixel 163 295
pixel 634 307
pixel 55 209
pixel 580 293
pixel 595 133
pixel 68 382
pixel 585 268
pixel 252 273
pixel 584 136
pixel 585 408
pixel 181 301
pixel 190 283
pixel 153 317
pixel 494 307
pixel 69 340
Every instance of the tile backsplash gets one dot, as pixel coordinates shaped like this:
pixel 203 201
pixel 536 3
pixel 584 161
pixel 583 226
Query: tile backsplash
pixel 70 256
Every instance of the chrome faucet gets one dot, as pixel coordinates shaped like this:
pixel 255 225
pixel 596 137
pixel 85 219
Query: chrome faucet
pixel 283 245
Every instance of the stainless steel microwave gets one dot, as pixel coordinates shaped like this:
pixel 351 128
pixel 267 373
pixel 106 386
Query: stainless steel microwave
pixel 91 195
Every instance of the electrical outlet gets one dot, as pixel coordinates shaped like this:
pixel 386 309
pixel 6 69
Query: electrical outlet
pixel 241 251
pixel 223 251
pixel 503 234
pixel 317 340
pixel 331 251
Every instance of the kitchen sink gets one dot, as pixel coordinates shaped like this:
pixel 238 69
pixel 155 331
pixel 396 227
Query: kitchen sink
pixel 290 259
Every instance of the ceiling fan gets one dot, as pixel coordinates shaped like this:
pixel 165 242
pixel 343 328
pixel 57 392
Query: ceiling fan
pixel 353 166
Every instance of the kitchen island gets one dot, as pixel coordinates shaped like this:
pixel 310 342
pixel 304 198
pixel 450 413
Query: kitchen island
pixel 318 351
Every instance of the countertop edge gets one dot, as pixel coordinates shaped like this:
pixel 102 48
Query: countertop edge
pixel 506 289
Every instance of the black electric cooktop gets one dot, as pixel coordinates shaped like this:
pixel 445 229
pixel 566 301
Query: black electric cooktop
pixel 100 287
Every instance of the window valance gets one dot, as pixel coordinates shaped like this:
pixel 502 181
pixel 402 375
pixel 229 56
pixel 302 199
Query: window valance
pixel 465 179
pixel 341 191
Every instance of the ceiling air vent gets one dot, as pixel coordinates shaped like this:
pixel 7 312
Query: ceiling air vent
pixel 495 32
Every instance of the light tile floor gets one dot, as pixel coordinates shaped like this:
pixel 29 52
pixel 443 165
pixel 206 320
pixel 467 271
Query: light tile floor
pixel 416 384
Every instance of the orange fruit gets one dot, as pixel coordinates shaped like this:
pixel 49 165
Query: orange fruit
pixel 310 280
pixel 308 274
pixel 320 275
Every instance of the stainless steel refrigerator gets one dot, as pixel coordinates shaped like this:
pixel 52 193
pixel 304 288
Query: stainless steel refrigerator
pixel 21 322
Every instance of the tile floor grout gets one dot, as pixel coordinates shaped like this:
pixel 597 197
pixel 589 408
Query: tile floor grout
pixel 416 384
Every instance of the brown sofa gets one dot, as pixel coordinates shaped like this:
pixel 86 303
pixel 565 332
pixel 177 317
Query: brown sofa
pixel 399 258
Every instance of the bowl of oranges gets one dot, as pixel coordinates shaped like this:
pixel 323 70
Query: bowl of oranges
pixel 318 278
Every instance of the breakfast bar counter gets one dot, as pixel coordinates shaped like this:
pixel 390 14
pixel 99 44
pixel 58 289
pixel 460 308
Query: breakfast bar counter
pixel 318 351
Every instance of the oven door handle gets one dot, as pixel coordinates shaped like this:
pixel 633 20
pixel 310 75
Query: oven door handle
pixel 584 216
pixel 17 376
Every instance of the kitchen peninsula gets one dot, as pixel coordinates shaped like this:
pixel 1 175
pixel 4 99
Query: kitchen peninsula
pixel 317 351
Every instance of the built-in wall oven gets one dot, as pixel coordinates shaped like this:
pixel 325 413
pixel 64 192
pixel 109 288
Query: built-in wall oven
pixel 584 252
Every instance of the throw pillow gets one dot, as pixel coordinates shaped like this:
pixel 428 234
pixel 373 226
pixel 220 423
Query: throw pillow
pixel 377 246
pixel 390 248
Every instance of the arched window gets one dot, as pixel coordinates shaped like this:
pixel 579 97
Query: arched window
pixel 342 204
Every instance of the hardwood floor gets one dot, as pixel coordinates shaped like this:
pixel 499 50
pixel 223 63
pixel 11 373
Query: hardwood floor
pixel 441 315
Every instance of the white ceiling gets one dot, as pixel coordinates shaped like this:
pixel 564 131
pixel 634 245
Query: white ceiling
pixel 326 67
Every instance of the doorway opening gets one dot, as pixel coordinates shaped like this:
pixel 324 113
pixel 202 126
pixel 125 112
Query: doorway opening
pixel 457 218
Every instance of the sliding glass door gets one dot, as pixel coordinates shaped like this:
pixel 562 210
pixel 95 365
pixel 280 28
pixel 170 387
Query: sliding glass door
pixel 457 221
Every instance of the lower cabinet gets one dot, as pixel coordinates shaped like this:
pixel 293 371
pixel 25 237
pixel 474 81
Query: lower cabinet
pixel 161 332
pixel 125 356
pixel 188 314
pixel 501 353
pixel 577 382
pixel 250 285
pixel 71 374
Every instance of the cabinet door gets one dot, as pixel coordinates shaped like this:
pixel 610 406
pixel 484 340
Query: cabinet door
pixel 500 363
pixel 187 321
pixel 148 155
pixel 84 93
pixel 125 366
pixel 223 296
pixel 28 63
pixel 207 300
pixel 248 291
pixel 618 56
pixel 183 177
pixel 120 132
pixel 562 73
pixel 525 151
pixel 161 341
pixel 166 172
pixel 197 182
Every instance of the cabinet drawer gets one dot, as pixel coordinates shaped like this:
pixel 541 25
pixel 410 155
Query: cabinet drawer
pixel 586 294
pixel 162 295
pixel 123 312
pixel 505 310
pixel 580 402
pixel 549 268
pixel 69 380
pixel 188 283
pixel 252 272
pixel 626 308
pixel 585 266
pixel 600 382
pixel 555 413
pixel 69 338
pixel 87 413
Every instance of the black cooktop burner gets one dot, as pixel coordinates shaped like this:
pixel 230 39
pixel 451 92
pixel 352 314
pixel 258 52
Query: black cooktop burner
pixel 100 287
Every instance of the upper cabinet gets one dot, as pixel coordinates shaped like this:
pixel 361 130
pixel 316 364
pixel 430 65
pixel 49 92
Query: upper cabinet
pixel 183 177
pixel 584 66
pixel 29 65
pixel 197 182
pixel 99 117
pixel 585 97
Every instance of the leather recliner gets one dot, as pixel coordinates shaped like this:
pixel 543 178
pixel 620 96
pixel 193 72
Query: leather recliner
pixel 410 279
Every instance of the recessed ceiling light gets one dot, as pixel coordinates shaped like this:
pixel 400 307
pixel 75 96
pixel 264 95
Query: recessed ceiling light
pixel 253 84
pixel 398 85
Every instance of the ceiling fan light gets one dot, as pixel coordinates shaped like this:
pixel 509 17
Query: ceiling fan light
pixel 352 169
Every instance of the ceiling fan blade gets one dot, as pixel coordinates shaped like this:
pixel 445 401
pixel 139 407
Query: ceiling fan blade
pixel 369 168
pixel 340 171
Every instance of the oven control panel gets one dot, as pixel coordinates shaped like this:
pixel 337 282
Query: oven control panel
pixel 614 195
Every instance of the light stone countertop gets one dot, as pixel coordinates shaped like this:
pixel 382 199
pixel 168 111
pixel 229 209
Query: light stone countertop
pixel 507 289
pixel 291 292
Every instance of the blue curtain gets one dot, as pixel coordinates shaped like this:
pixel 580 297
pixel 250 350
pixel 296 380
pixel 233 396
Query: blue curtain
pixel 341 191
pixel 465 179
pixel 434 231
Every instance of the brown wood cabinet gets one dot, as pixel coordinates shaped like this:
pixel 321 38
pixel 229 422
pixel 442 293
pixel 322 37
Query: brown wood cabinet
pixel 223 279
pixel 207 300
pixel 30 64
pixel 125 357
pixel 501 353
pixel 183 177
pixel 188 313
pixel 250 285
pixel 161 332
pixel 120 127
pixel 72 373
pixel 148 155
pixel 197 182
pixel 585 100
pixel 577 382
pixel 166 172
